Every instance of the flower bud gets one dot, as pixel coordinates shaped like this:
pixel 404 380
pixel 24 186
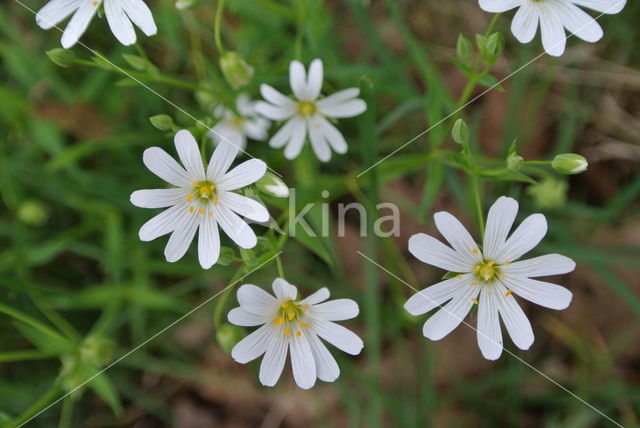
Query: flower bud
pixel 62 57
pixel 515 162
pixel 460 132
pixel 272 185
pixel 549 193
pixel 234 68
pixel 162 122
pixel 570 163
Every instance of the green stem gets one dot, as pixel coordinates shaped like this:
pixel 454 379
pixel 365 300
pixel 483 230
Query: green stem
pixel 537 162
pixel 477 200
pixel 66 415
pixel 280 267
pixel 217 24
pixel 27 355
pixel 46 399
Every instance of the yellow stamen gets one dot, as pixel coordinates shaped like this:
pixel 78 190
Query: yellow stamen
pixel 201 211
pixel 501 276
pixel 490 293
pixel 192 209
pixel 278 321
pixel 291 316
pixel 474 283
pixel 303 324
pixel 474 251
pixel 474 300
pixel 287 331
pixel 459 275
pixel 298 333
pixel 508 293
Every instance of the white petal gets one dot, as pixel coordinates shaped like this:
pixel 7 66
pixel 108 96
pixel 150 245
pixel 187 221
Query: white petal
pixel 140 15
pixel 274 359
pixel 221 160
pixel 327 368
pixel 208 241
pixel 181 237
pixel 335 310
pixel 525 22
pixel 284 134
pixel 604 6
pixel 550 264
pixel 252 346
pixel 489 333
pixel 244 206
pixel 274 112
pixel 257 129
pixel 457 236
pixel 283 290
pixel 436 295
pixel 338 98
pixel 79 23
pixel 578 22
pixel 429 250
pixel 302 362
pixel 276 98
pixel 317 297
pixel 158 198
pixel 246 173
pixel 255 300
pixel 553 35
pixel 541 293
pixel 298 80
pixel 318 143
pixel 348 108
pixel 224 133
pixel 339 336
pixel 242 318
pixel 298 134
pixel 119 22
pixel 55 11
pixel 164 166
pixel 333 136
pixel 514 319
pixel 499 221
pixel 524 239
pixel 163 223
pixel 314 79
pixel 189 154
pixel 235 228
pixel 451 315
pixel 497 6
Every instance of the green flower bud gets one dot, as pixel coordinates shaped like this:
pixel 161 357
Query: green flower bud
pixel 272 185
pixel 463 48
pixel 234 68
pixel 515 162
pixel 62 57
pixel 550 193
pixel 460 132
pixel 227 336
pixel 570 163
pixel 162 122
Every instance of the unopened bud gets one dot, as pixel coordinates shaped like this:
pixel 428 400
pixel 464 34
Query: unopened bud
pixel 272 185
pixel 235 70
pixel 570 163
pixel 162 122
pixel 460 132
pixel 62 57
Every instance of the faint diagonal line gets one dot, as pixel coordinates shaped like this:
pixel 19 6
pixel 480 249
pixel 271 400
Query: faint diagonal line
pixel 144 85
pixel 486 91
pixel 150 339
pixel 442 308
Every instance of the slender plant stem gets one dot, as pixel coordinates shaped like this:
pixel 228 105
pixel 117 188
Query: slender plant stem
pixel 66 415
pixel 537 162
pixel 280 267
pixel 477 201
pixel 216 26
pixel 42 402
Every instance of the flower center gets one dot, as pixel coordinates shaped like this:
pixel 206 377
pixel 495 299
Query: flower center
pixel 486 271
pixel 237 121
pixel 307 108
pixel 291 314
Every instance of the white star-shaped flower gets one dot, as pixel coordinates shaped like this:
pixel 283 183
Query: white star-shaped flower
pixel 554 16
pixel 121 15
pixel 201 200
pixel 236 127
pixel 289 325
pixel 307 113
pixel 489 277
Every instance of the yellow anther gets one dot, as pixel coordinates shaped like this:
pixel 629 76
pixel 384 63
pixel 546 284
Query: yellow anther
pixel 189 197
pixel 501 276
pixel 291 315
pixel 490 293
pixel 298 333
pixel 210 213
pixel 474 300
pixel 474 283
pixel 201 211
pixel 194 183
pixel 491 263
pixel 474 251
pixel 506 263
pixel 303 324
pixel 278 321
pixel 215 200
pixel 459 275
pixel 476 268
pixel 192 209
pixel 508 293
pixel 284 304
pixel 287 331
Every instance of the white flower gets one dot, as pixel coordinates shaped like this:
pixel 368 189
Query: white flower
pixel 489 277
pixel 201 199
pixel 237 128
pixel 289 324
pixel 554 16
pixel 121 15
pixel 307 114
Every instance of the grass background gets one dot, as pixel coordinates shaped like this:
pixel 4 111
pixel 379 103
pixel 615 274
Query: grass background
pixel 78 288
